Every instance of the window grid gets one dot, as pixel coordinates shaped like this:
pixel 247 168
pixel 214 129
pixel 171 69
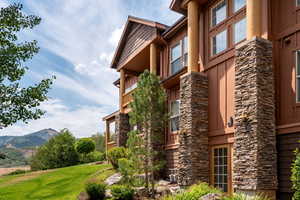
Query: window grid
pixel 298 76
pixel 179 54
pixel 240 32
pixel 218 13
pixel 219 42
pixel 220 175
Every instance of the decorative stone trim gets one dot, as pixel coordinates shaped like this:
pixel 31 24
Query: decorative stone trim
pixel 122 128
pixel 193 156
pixel 254 165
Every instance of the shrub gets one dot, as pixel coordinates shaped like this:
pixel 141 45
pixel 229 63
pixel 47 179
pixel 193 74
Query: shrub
pixel 122 192
pixel 18 171
pixel 92 157
pixel 194 192
pixel 115 154
pixel 85 146
pixel 127 170
pixel 95 191
pixel 295 178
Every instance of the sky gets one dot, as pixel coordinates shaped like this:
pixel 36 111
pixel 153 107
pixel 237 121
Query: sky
pixel 77 40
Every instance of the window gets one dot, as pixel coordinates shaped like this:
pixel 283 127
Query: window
pixel 219 42
pixel 112 130
pixel 240 30
pixel 218 13
pixel 298 76
pixel 220 168
pixel 174 118
pixel 179 55
pixel 297 2
pixel 130 88
pixel 185 50
pixel 238 4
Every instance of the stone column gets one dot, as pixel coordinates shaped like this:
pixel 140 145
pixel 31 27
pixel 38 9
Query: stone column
pixel 254 165
pixel 122 128
pixel 193 159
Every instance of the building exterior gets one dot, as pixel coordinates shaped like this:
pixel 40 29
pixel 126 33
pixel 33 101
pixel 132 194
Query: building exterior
pixel 231 72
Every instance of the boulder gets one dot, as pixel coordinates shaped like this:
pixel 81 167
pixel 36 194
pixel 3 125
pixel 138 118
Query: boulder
pixel 211 196
pixel 114 179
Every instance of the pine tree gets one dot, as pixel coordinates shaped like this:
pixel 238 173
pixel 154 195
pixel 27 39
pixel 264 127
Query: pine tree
pixel 150 115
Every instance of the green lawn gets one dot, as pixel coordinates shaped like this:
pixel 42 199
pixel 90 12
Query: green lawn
pixel 61 184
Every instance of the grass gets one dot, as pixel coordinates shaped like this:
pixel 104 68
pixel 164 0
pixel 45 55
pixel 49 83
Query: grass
pixel 64 183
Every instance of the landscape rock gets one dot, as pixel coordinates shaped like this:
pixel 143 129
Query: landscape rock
pixel 175 189
pixel 140 193
pixel 163 183
pixel 211 197
pixel 108 193
pixel 114 179
pixel 83 196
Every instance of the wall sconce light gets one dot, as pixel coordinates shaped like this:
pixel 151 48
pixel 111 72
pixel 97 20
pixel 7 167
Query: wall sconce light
pixel 230 122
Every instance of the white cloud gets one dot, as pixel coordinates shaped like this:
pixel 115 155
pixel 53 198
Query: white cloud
pixel 3 4
pixel 115 36
pixel 59 116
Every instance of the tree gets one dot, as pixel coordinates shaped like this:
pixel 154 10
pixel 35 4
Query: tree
pixel 99 140
pixel 85 146
pixel 58 152
pixel 295 178
pixel 18 103
pixel 150 114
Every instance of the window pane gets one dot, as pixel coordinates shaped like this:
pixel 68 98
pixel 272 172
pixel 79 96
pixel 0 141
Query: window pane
pixel 298 63
pixel 176 52
pixel 185 45
pixel 175 108
pixel 176 66
pixel 219 42
pixel 220 168
pixel 219 13
pixel 298 89
pixel 238 4
pixel 240 29
pixel 298 2
pixel 174 124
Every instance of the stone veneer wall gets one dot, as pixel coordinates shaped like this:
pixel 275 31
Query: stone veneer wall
pixel 122 128
pixel 193 155
pixel 254 165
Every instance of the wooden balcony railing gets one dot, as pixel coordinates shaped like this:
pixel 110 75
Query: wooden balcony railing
pixel 127 98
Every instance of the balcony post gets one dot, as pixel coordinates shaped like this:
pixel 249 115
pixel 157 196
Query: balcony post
pixel 254 18
pixel 107 135
pixel 122 89
pixel 193 35
pixel 153 58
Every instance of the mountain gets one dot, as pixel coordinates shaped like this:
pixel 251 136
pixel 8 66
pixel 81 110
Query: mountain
pixel 30 140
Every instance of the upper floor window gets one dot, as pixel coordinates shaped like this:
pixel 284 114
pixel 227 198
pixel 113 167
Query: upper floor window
pixel 218 13
pixel 298 76
pixel 130 88
pixel 174 115
pixel 219 42
pixel 238 4
pixel 240 32
pixel 179 56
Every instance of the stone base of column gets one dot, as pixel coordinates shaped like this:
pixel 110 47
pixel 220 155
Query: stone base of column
pixel 122 128
pixel 254 158
pixel 193 155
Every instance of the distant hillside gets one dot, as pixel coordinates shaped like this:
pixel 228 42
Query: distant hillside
pixel 30 140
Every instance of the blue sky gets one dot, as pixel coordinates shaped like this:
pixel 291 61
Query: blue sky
pixel 77 40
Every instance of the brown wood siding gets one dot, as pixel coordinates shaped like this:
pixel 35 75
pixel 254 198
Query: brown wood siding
pixel 286 144
pixel 286 35
pixel 136 38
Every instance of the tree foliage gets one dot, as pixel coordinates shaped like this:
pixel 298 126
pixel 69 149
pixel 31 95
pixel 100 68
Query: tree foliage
pixel 295 178
pixel 99 140
pixel 58 152
pixel 149 113
pixel 85 146
pixel 18 103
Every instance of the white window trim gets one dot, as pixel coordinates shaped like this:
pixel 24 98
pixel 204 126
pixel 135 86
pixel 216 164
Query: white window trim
pixel 235 11
pixel 173 116
pixel 245 18
pixel 212 43
pixel 211 13
pixel 297 76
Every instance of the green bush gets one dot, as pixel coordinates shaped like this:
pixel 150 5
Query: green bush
pixel 122 192
pixel 194 192
pixel 18 171
pixel 295 178
pixel 92 157
pixel 127 171
pixel 116 153
pixel 85 146
pixel 95 191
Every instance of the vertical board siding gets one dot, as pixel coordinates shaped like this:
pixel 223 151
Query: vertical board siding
pixel 286 144
pixel 136 38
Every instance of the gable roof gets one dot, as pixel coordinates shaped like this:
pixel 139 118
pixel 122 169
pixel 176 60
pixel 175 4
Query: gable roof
pixel 131 20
